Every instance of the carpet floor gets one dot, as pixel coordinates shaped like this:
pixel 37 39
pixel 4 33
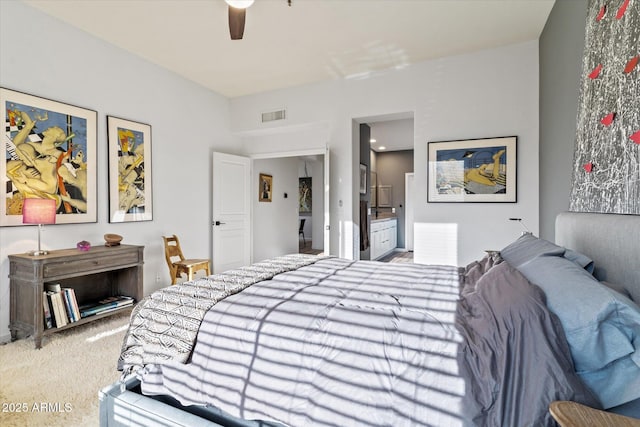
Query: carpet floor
pixel 58 384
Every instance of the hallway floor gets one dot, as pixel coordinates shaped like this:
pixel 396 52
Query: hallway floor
pixel 306 248
pixel 400 257
pixel 404 257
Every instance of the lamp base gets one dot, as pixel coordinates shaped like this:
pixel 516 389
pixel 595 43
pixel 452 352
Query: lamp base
pixel 38 253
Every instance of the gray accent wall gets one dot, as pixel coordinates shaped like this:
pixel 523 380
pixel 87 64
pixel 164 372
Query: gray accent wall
pixel 365 159
pixel 561 47
pixel 392 167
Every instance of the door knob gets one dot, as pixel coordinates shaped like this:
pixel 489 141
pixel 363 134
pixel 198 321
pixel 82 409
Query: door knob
pixel 218 223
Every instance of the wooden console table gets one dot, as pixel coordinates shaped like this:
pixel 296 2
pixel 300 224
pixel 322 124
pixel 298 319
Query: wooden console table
pixel 96 274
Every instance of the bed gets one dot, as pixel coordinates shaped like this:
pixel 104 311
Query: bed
pixel 321 341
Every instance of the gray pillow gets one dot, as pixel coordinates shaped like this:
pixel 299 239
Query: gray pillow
pixel 528 246
pixel 580 259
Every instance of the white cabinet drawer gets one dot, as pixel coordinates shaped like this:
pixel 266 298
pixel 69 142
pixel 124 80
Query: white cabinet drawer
pixel 383 237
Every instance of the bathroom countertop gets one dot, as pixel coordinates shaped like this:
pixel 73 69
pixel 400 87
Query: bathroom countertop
pixel 382 218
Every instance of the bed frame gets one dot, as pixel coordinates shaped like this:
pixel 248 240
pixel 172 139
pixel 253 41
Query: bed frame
pixel 612 241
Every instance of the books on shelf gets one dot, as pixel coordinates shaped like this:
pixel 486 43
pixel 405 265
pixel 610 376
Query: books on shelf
pixel 105 305
pixel 48 321
pixel 53 287
pixel 59 312
pixel 69 297
pixel 60 306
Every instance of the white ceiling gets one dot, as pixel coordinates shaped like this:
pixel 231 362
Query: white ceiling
pixel 311 41
pixel 393 135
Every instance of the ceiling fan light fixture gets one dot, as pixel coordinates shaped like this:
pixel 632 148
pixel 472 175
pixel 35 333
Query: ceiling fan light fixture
pixel 239 4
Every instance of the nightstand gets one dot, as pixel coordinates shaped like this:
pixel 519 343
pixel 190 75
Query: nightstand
pixel 572 414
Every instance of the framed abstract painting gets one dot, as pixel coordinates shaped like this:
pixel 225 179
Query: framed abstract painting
pixel 50 153
pixel 304 195
pixel 472 170
pixel 130 187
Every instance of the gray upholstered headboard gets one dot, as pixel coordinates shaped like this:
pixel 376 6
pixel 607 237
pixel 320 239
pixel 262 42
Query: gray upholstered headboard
pixel 611 241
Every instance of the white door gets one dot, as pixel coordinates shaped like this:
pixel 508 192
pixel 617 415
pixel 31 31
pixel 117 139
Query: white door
pixel 327 216
pixel 408 211
pixel 231 212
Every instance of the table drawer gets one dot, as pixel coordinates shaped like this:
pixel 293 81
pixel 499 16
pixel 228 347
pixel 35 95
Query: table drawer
pixel 89 264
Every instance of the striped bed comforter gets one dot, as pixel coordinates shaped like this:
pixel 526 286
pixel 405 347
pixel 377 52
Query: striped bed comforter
pixel 337 342
pixel 164 325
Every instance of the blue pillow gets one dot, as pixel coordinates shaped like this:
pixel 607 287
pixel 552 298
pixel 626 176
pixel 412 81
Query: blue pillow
pixel 528 246
pixel 619 381
pixel 602 326
pixel 580 259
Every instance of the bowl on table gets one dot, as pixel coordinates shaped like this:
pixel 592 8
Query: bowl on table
pixel 112 239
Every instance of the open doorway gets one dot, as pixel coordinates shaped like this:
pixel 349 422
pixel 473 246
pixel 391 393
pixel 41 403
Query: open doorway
pixel 310 204
pixel 386 148
pixel 299 191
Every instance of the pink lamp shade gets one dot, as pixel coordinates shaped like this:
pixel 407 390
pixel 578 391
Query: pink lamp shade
pixel 39 211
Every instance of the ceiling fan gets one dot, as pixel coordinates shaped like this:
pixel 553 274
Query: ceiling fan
pixel 237 15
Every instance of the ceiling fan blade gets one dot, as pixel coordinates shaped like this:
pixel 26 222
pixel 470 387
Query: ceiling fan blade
pixel 236 22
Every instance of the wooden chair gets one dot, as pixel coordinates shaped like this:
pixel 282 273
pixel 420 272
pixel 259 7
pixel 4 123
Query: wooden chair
pixel 177 262
pixel 301 231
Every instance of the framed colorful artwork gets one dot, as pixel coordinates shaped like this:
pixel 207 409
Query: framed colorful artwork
pixel 130 187
pixel 265 188
pixel 50 153
pixel 304 195
pixel 472 170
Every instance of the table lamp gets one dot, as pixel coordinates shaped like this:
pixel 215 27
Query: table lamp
pixel 39 211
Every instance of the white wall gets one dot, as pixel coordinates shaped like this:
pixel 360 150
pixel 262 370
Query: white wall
pixel 47 58
pixel 484 94
pixel 317 204
pixel 275 223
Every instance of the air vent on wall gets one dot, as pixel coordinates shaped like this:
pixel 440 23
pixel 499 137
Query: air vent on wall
pixel 274 115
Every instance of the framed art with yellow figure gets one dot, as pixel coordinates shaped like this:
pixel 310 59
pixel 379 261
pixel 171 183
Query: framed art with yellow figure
pixel 130 188
pixel 50 153
pixel 265 188
pixel 472 170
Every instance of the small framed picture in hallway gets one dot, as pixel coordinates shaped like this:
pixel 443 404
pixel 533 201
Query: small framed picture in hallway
pixel 265 188
pixel 363 179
